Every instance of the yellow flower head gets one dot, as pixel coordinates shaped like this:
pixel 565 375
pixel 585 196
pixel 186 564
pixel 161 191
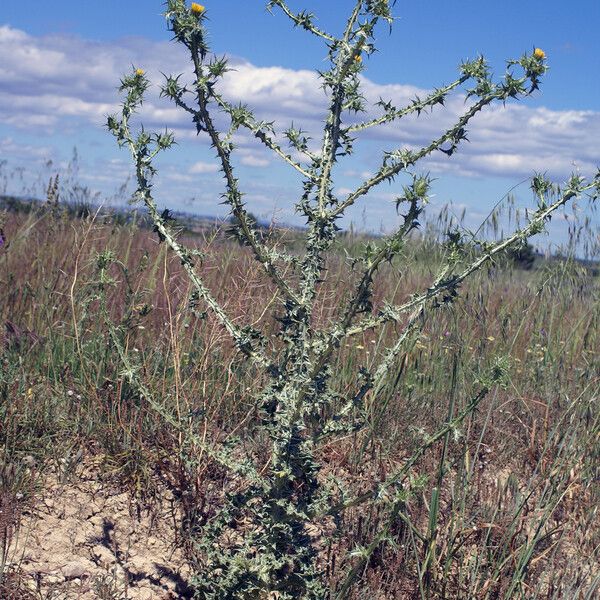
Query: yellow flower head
pixel 139 72
pixel 358 58
pixel 197 9
pixel 539 54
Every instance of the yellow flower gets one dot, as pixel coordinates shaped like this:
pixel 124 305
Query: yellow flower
pixel 139 72
pixel 197 9
pixel 358 58
pixel 539 54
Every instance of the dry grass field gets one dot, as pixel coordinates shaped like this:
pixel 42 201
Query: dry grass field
pixel 102 495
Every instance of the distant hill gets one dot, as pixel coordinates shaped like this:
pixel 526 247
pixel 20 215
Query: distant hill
pixel 197 225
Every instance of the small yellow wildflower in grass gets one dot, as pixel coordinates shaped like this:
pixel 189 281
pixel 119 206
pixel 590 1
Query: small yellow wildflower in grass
pixel 139 72
pixel 358 58
pixel 539 54
pixel 197 9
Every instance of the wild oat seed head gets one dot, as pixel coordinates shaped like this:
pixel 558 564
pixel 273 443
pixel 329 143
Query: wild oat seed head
pixel 539 54
pixel 197 9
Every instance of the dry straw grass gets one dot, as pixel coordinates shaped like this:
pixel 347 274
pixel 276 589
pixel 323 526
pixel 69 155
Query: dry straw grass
pixel 335 416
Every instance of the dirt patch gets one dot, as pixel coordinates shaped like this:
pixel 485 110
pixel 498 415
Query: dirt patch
pixel 88 540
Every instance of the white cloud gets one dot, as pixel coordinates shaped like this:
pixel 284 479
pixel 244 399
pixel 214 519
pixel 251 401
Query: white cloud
pixel 204 167
pixel 9 147
pixel 283 92
pixel 55 83
pixel 51 78
pixel 343 191
pixel 254 161
pixel 355 173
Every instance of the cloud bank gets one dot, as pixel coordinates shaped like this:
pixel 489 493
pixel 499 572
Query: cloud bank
pixel 56 84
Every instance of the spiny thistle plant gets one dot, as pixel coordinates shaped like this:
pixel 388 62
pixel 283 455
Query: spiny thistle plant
pixel 261 543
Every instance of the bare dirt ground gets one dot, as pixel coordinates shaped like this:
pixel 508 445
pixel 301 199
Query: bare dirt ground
pixel 85 540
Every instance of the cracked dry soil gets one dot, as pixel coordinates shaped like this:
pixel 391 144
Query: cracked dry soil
pixel 85 540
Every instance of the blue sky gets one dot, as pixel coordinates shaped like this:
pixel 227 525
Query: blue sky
pixel 60 63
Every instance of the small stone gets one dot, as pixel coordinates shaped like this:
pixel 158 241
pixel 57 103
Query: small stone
pixel 88 512
pixel 74 571
pixel 53 579
pixel 102 556
pixel 29 460
pixel 97 521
